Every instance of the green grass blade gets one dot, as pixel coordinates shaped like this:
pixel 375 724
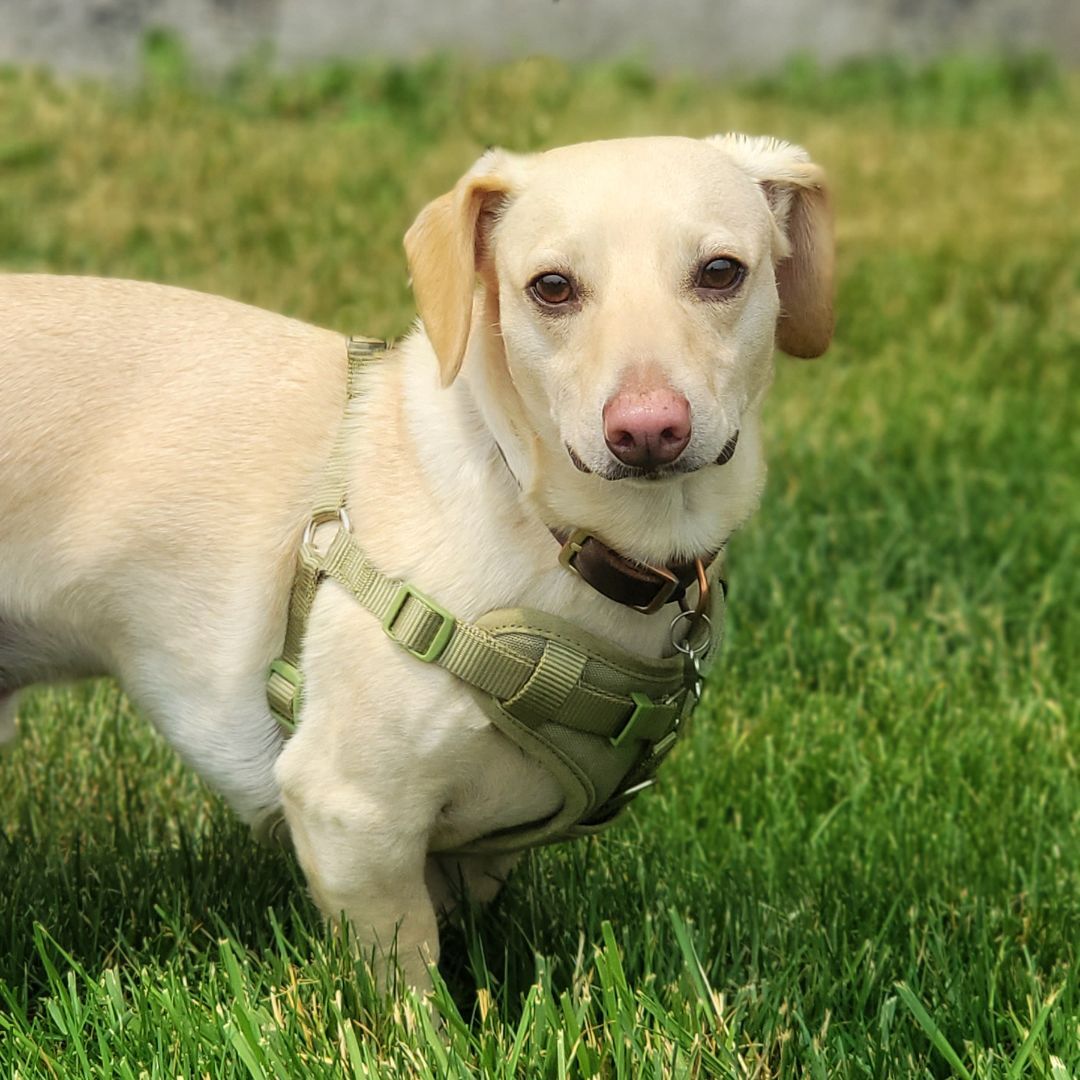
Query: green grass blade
pixel 1037 1028
pixel 926 1022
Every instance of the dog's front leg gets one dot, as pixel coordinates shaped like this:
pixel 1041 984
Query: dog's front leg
pixel 364 854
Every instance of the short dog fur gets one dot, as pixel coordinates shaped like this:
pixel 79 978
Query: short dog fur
pixel 160 451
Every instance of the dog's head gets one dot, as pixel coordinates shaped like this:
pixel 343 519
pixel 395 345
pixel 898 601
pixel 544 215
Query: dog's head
pixel 633 290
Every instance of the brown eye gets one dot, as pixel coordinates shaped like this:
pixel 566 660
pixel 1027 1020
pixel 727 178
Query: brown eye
pixel 552 289
pixel 721 275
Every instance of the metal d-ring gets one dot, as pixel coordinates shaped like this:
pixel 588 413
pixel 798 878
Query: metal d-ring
pixel 695 619
pixel 694 653
pixel 340 515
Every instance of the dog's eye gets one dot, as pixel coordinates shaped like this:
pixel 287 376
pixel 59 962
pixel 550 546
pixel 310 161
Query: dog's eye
pixel 721 275
pixel 553 289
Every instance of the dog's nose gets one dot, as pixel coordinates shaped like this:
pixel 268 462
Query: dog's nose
pixel 647 429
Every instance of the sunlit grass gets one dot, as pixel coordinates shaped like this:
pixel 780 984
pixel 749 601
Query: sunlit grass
pixel 866 859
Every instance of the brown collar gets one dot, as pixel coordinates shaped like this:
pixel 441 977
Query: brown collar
pixel 640 586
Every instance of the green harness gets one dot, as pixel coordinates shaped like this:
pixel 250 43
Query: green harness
pixel 599 718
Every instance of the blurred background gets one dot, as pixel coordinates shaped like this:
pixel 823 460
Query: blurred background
pixel 104 36
pixel 864 858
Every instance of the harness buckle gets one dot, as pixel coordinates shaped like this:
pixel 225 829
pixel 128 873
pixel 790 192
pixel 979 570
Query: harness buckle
pixel 644 708
pixel 442 636
pixel 285 685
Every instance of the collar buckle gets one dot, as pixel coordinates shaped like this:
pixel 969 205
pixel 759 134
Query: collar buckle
pixel 571 548
pixel 665 593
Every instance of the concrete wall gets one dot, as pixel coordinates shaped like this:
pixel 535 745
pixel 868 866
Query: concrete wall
pixel 716 36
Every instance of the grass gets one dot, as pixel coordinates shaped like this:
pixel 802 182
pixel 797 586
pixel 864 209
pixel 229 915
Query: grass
pixel 865 861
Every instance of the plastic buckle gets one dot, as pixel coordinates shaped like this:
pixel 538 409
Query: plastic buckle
pixel 643 708
pixel 442 635
pixel 288 674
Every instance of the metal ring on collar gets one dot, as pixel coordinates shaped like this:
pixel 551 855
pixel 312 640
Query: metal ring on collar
pixel 340 515
pixel 695 620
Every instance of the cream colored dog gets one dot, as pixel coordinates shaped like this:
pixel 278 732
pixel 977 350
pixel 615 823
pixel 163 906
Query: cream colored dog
pixel 598 327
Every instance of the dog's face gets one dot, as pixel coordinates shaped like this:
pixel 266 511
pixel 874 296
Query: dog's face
pixel 637 287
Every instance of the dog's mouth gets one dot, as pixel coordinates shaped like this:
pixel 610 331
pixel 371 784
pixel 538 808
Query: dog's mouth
pixel 578 463
pixel 728 450
pixel 618 471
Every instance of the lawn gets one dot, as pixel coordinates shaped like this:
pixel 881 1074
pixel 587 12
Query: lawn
pixel 865 859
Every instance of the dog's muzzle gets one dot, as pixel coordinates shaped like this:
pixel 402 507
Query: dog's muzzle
pixel 628 472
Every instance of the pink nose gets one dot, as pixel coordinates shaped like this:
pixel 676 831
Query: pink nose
pixel 647 429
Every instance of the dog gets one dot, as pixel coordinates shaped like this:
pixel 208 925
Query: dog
pixel 596 337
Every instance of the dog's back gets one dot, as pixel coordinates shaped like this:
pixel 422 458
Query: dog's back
pixel 128 445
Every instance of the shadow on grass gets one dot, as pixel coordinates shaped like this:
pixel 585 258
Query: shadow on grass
pixel 129 901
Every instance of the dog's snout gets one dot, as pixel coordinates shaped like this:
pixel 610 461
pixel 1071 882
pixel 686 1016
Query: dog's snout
pixel 648 429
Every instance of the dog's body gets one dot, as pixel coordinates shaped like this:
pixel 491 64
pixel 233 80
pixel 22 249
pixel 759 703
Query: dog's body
pixel 160 451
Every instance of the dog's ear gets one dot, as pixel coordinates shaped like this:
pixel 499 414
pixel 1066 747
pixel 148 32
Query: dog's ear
pixel 445 247
pixel 797 194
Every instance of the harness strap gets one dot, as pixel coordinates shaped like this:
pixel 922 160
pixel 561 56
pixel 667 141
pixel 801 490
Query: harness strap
pixel 283 681
pixel 556 685
pixel 330 496
pixel 599 719
pixel 422 627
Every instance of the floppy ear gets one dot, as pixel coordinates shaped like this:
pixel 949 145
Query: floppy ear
pixel 796 191
pixel 444 247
